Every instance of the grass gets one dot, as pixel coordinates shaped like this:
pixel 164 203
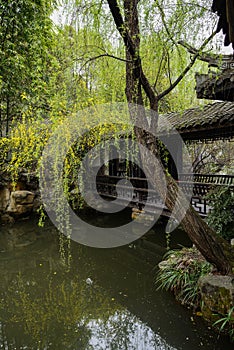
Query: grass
pixel 226 323
pixel 180 273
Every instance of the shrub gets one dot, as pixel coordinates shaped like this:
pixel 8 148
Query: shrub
pixel 221 217
pixel 180 273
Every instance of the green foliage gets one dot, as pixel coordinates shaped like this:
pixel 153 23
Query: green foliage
pixel 49 73
pixel 26 38
pixel 221 218
pixel 180 272
pixel 98 54
pixel 22 150
pixel 226 323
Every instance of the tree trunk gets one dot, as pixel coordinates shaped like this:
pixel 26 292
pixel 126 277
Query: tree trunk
pixel 215 249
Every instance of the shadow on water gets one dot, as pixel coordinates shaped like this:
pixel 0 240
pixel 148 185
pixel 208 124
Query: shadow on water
pixel 106 300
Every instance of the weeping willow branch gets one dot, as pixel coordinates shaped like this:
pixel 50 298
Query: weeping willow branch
pixel 170 36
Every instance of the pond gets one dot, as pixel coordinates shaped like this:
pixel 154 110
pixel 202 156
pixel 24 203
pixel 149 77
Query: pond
pixel 106 299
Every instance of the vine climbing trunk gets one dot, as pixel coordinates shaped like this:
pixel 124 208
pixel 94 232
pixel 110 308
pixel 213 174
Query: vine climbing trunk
pixel 215 249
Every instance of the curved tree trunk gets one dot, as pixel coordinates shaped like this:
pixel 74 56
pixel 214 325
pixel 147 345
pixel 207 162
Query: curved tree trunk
pixel 215 249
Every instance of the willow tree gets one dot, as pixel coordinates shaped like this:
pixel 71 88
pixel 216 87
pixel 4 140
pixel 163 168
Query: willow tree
pixel 99 54
pixel 166 22
pixel 214 249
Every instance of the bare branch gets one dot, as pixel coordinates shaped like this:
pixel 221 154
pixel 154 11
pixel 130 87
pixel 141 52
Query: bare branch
pixel 104 55
pixel 212 59
pixel 169 67
pixel 187 69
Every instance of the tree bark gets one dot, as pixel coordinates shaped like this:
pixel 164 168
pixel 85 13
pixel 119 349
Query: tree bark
pixel 215 249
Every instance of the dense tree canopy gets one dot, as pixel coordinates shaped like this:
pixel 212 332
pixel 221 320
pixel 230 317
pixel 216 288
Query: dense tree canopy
pixel 25 58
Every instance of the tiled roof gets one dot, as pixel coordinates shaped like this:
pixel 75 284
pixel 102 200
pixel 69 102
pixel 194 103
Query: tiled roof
pixel 216 116
pixel 216 86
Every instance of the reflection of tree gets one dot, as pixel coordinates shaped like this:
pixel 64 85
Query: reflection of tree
pixel 42 305
pixel 67 313
pixel 122 331
pixel 56 315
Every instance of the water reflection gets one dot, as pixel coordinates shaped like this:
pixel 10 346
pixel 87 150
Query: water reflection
pixel 124 331
pixel 104 301
pixel 52 312
pixel 46 307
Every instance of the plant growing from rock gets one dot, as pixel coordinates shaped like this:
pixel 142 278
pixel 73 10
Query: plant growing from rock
pixel 180 272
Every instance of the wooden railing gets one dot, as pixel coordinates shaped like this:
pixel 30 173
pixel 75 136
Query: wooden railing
pixel 136 196
pixel 197 185
pixel 208 178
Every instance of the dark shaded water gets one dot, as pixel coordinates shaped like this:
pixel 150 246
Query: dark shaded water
pixel 106 300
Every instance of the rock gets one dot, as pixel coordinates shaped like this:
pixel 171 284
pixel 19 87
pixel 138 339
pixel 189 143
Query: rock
pixel 19 210
pixel 7 219
pixel 217 295
pixel 20 199
pixel 21 203
pixel 4 198
pixel 23 197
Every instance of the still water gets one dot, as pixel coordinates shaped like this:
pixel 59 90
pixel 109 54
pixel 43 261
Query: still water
pixel 106 299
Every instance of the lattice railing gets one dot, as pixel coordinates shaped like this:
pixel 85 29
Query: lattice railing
pixel 198 185
pixel 208 178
